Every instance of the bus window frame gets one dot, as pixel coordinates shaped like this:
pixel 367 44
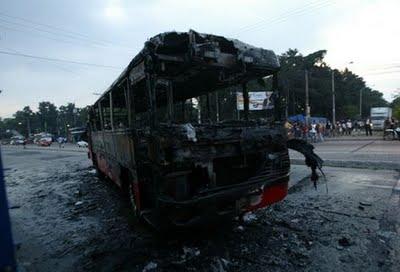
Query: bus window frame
pixel 124 104
pixel 101 101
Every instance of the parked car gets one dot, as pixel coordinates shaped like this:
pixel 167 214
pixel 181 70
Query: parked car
pixel 82 144
pixel 44 142
pixel 5 142
pixel 17 140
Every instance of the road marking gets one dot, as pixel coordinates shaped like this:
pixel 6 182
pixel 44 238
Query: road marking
pixel 374 186
pixel 361 147
pixel 396 188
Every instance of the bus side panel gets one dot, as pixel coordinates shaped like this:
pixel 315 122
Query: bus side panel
pixel 97 143
pixel 123 143
pixel 113 169
pixel 103 150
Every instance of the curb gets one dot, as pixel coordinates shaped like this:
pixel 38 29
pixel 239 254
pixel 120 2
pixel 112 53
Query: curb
pixel 352 139
pixel 396 188
pixel 355 164
pixel 84 150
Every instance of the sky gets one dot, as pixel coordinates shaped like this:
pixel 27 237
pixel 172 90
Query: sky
pixel 98 38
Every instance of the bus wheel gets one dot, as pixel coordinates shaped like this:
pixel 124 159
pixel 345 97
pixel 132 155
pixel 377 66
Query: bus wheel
pixel 99 174
pixel 132 194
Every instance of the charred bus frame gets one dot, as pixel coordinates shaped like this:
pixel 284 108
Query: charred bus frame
pixel 186 173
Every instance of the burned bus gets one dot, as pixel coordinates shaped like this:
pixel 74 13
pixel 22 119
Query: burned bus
pixel 154 133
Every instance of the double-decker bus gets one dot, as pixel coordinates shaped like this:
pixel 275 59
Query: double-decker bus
pixel 163 131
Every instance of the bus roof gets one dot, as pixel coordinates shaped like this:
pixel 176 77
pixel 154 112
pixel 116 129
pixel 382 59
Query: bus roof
pixel 198 62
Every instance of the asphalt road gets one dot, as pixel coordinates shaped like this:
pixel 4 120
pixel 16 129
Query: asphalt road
pixel 65 219
pixel 375 153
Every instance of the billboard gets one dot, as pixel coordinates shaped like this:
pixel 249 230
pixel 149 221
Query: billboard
pixel 258 100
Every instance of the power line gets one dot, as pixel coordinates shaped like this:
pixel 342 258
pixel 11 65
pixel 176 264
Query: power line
pixel 54 64
pixel 43 30
pixel 59 60
pixel 382 73
pixel 311 6
pixel 58 33
pixel 298 13
pixel 30 33
pixel 268 20
pixel 76 34
pixel 41 24
pixel 49 38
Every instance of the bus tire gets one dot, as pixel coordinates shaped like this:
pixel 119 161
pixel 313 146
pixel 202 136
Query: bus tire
pixel 99 174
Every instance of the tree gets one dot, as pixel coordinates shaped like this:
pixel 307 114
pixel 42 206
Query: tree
pixel 347 87
pixel 48 116
pixel 23 119
pixel 396 107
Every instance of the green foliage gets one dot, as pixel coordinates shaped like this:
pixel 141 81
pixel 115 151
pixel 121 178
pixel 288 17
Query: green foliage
pixel 396 107
pixel 396 112
pixel 351 111
pixel 347 87
pixel 48 118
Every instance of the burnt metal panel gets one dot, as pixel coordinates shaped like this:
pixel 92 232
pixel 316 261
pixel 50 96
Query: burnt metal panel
pixel 190 57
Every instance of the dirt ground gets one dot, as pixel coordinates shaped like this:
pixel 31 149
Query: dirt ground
pixel 66 219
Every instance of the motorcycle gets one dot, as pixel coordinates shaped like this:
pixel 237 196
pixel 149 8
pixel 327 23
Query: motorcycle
pixel 391 134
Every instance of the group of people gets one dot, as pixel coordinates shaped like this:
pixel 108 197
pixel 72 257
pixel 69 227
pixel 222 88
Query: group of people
pixel 351 127
pixel 390 123
pixel 316 131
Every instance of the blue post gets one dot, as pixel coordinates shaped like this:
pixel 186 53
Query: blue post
pixel 7 259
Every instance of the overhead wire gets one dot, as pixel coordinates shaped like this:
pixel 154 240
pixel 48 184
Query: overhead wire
pixel 300 12
pixel 264 20
pixel 311 6
pixel 382 73
pixel 54 64
pixel 59 60
pixel 59 29
pixel 59 34
pixel 34 34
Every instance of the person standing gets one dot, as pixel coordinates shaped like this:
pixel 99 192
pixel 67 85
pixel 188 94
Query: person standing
pixel 368 128
pixel 313 132
pixel 392 123
pixel 320 132
pixel 328 129
pixel 386 124
pixel 361 125
pixel 349 127
pixel 344 128
pixel 305 132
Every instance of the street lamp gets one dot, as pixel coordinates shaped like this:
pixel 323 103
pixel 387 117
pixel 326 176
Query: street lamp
pixel 333 99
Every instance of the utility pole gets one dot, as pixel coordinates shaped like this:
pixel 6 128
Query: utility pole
pixel 287 101
pixel 307 112
pixel 333 99
pixel 28 124
pixel 361 102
